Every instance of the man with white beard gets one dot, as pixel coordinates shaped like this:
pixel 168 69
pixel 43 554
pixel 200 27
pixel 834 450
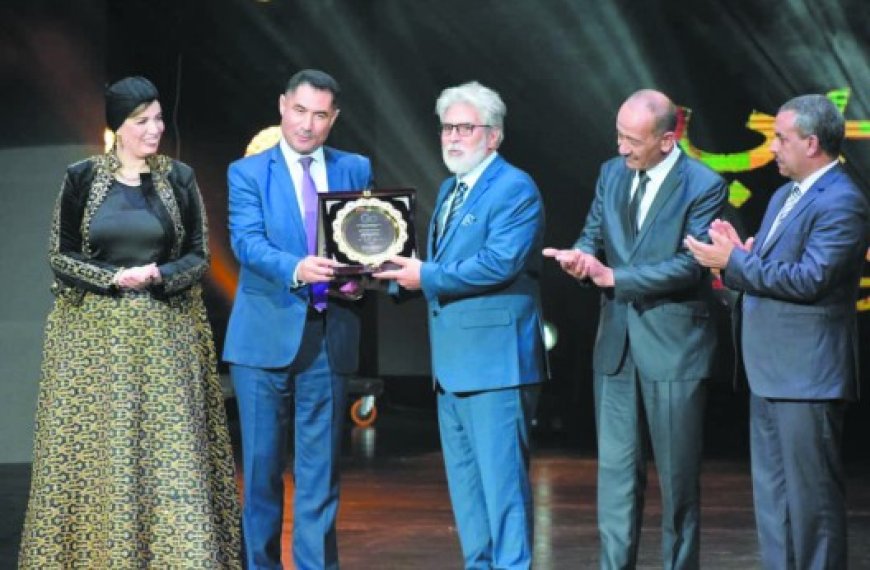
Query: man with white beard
pixel 481 282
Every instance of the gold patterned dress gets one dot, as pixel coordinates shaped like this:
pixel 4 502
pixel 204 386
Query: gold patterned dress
pixel 132 461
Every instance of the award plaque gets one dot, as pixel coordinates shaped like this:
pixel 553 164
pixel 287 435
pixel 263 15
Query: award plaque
pixel 364 229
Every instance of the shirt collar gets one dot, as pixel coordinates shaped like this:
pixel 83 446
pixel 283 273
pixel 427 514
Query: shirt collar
pixel 292 157
pixel 659 172
pixel 808 182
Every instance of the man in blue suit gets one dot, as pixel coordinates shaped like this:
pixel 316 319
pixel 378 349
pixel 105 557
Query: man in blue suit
pixel 799 342
pixel 656 340
pixel 481 285
pixel 288 345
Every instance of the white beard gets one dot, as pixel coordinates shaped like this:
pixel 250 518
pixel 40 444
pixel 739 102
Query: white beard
pixel 466 162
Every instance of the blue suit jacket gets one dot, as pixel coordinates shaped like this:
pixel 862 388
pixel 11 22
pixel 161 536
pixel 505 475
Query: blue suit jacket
pixel 268 237
pixel 482 285
pixel 799 329
pixel 661 298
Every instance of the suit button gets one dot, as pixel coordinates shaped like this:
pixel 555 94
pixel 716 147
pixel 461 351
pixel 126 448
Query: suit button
pixel 434 313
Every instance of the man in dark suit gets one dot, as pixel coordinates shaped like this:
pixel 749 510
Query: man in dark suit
pixel 799 339
pixel 656 341
pixel 287 344
pixel 485 327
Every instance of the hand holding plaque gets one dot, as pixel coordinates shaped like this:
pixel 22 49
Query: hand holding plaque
pixel 362 230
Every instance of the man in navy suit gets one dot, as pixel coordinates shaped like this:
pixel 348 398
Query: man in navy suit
pixel 656 339
pixel 290 347
pixel 799 342
pixel 481 282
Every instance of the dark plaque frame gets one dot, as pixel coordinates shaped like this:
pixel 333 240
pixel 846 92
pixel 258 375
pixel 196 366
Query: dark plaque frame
pixel 338 207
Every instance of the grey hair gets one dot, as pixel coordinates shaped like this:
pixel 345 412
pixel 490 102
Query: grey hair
pixel 816 115
pixel 487 102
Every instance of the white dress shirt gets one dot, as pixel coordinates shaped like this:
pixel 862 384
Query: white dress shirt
pixel 318 174
pixel 318 171
pixel 657 175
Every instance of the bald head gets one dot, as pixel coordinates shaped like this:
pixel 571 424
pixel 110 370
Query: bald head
pixel 645 128
pixel 659 105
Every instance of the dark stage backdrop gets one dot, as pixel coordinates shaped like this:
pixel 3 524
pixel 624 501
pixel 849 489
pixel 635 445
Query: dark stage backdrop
pixel 562 67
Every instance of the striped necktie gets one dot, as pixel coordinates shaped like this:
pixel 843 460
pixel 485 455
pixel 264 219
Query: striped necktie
pixel 793 196
pixel 457 198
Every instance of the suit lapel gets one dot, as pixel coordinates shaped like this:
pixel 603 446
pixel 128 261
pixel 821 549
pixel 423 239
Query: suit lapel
pixel 622 202
pixel 282 191
pixel 333 174
pixel 776 202
pixel 479 189
pixel 808 198
pixel 446 186
pixel 671 182
pixel 804 201
pixel 666 190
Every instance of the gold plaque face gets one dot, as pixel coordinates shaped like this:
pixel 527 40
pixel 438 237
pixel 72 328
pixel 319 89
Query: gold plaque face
pixel 369 231
pixel 363 229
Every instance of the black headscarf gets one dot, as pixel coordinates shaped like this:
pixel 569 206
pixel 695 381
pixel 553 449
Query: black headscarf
pixel 124 96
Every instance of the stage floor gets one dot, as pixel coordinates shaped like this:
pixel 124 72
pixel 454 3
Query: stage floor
pixel 395 512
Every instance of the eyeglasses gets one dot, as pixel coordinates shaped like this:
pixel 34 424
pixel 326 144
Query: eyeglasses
pixel 464 129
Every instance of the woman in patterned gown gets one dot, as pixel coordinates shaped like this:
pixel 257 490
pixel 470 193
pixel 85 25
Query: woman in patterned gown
pixel 132 461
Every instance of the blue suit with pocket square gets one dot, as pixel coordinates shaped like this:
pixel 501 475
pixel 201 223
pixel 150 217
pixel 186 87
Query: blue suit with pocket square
pixel 482 288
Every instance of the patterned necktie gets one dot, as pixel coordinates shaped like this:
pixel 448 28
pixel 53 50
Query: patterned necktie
pixel 793 196
pixel 456 200
pixel 634 204
pixel 309 206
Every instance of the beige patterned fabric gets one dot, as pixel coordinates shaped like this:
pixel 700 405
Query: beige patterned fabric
pixel 132 462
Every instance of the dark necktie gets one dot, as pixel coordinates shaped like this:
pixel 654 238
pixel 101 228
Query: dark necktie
pixel 309 206
pixel 456 200
pixel 634 204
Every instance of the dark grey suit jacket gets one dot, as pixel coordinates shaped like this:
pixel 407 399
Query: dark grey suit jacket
pixel 661 298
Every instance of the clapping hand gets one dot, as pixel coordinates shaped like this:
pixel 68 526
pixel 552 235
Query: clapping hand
pixel 724 239
pixel 581 265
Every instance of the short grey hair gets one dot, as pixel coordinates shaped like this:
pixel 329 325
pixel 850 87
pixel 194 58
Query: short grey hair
pixel 487 102
pixel 816 115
